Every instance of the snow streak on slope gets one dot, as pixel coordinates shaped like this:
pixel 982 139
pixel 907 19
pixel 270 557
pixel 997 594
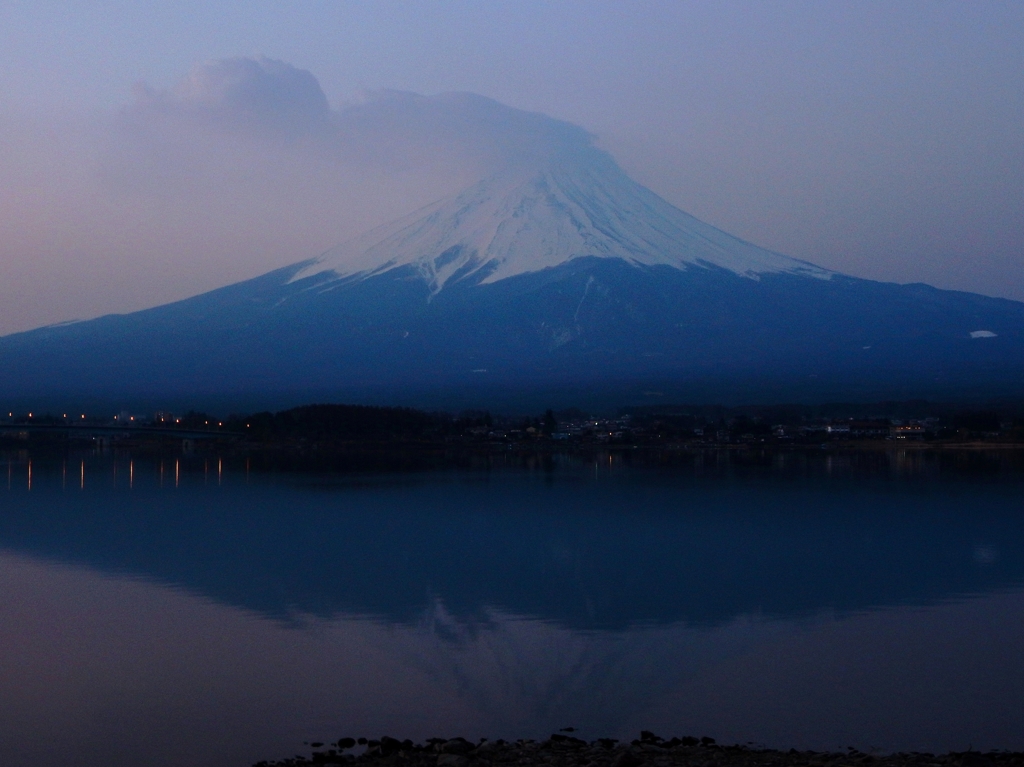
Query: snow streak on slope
pixel 527 219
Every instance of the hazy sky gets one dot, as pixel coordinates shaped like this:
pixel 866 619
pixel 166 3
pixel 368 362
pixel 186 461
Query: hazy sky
pixel 149 153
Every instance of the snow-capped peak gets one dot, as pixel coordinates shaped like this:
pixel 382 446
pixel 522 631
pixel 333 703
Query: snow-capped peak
pixel 530 218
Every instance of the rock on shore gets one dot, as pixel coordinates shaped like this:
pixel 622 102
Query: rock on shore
pixel 648 750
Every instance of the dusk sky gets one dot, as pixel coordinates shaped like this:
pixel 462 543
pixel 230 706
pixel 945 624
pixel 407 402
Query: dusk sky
pixel 154 151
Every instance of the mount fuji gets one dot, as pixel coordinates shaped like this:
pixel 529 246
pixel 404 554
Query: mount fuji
pixel 528 219
pixel 557 280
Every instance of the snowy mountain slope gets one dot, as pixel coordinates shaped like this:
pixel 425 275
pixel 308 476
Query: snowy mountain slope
pixel 575 204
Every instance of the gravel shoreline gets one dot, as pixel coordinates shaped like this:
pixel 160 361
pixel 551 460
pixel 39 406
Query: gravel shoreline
pixel 649 750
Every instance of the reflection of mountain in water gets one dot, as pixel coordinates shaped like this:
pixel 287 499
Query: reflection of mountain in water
pixel 582 549
pixel 528 678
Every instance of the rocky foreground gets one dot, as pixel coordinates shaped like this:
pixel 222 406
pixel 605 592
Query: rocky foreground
pixel 648 750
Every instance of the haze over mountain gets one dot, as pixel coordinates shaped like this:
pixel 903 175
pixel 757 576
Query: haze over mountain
pixel 240 168
pixel 555 279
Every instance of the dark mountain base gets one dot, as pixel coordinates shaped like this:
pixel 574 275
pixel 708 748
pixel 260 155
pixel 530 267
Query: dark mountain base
pixel 590 333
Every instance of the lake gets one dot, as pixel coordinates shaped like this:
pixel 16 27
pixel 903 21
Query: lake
pixel 207 610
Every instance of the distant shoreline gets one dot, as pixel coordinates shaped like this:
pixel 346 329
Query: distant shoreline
pixel 12 439
pixel 913 426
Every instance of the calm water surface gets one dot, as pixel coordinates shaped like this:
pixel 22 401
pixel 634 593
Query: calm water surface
pixel 196 611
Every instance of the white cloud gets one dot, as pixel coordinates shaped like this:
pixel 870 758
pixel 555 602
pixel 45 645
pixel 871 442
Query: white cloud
pixel 239 93
pixel 240 168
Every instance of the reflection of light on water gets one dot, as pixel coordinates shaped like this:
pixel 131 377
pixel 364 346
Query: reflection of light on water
pixel 985 555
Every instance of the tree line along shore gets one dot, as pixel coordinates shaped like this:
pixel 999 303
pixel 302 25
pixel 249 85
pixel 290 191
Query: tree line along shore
pixel 880 425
